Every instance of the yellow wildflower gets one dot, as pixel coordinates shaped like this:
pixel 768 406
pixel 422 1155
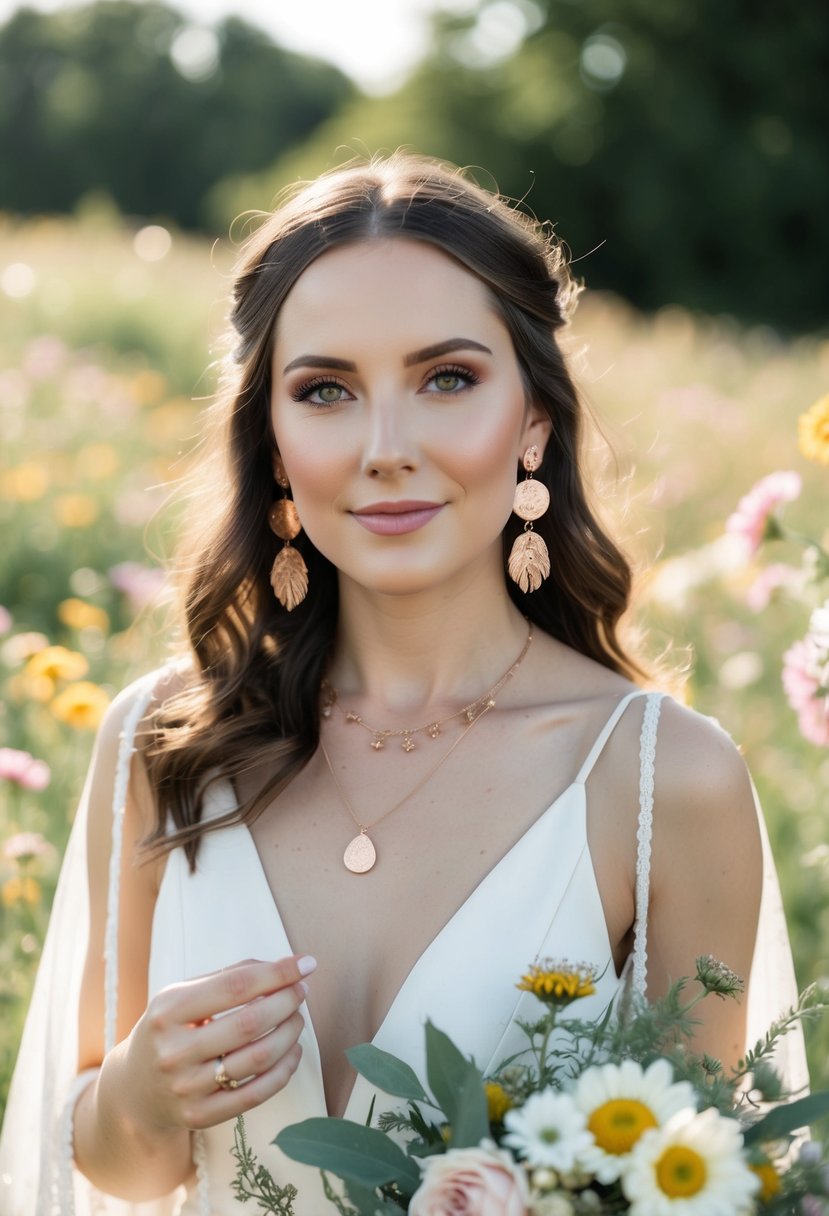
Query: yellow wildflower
pixel 769 1180
pixel 25 482
pixel 813 431
pixel 77 614
pixel 23 687
pixel 557 983
pixel 97 461
pixel 498 1101
pixel 22 889
pixel 81 705
pixel 57 663
pixel 76 510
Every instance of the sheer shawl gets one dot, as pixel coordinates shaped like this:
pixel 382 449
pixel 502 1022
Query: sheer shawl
pixel 37 1175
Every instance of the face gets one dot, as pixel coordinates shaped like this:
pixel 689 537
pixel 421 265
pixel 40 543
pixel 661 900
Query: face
pixel 399 414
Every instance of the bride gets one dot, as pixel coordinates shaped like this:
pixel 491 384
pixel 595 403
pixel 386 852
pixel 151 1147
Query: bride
pixel 403 753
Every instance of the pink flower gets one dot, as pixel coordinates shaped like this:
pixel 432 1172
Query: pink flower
pixel 769 580
pixel 752 519
pixel 5 620
pixel 26 845
pixel 19 766
pixel 482 1181
pixel 806 684
pixel 140 584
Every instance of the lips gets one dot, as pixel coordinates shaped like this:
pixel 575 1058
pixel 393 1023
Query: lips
pixel 396 518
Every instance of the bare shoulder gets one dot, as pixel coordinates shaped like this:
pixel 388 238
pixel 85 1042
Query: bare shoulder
pixel 699 767
pixel 705 819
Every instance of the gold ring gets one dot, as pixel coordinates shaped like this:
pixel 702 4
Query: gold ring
pixel 223 1081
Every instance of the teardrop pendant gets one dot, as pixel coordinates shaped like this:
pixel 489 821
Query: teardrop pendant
pixel 360 855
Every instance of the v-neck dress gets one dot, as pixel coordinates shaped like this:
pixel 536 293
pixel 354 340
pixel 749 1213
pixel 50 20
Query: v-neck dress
pixel 540 900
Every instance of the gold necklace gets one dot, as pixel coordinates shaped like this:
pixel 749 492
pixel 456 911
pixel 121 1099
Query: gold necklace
pixel 473 710
pixel 360 854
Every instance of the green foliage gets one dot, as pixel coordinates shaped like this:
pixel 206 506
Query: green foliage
pixel 385 1071
pixel 678 148
pixel 120 96
pixel 358 1154
pixel 253 1181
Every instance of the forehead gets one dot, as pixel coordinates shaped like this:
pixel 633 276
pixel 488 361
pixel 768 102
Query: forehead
pixel 390 287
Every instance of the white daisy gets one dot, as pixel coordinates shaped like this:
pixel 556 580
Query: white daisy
pixel 548 1130
pixel 693 1166
pixel 620 1102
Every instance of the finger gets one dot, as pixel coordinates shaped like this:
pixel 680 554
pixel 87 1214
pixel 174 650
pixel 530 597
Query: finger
pixel 237 1029
pixel 258 1057
pixel 208 995
pixel 226 1104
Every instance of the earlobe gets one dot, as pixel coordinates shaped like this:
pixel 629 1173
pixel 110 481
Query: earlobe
pixel 537 430
pixel 280 476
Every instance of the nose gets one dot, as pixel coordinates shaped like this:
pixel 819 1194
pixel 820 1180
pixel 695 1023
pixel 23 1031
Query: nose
pixel 390 447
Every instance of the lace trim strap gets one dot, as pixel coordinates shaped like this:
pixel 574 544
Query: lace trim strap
pixel 126 749
pixel 644 835
pixel 604 735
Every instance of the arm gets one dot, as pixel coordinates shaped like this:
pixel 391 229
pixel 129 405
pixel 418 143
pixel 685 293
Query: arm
pixel 156 1084
pixel 706 872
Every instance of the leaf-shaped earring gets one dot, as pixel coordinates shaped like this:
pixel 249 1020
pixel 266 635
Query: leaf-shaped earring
pixel 529 560
pixel 289 574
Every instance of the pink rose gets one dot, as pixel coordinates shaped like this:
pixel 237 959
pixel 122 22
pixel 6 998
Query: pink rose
pixel 751 520
pixel 482 1181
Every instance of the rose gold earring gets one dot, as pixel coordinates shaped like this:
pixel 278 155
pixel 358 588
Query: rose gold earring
pixel 529 561
pixel 289 574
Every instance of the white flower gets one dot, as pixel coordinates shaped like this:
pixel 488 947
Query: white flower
pixel 694 1166
pixel 620 1102
pixel 548 1130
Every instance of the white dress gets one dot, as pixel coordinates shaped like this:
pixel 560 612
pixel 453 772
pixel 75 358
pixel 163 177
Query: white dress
pixel 539 900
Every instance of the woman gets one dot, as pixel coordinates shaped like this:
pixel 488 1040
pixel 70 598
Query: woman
pixel 407 753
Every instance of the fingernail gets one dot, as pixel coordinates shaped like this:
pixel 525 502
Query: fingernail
pixel 303 985
pixel 306 964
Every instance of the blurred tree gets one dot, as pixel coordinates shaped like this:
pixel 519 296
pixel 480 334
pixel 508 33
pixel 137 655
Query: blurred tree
pixel 683 144
pixel 130 98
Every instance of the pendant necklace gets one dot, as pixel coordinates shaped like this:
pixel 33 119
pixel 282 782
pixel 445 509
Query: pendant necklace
pixel 360 854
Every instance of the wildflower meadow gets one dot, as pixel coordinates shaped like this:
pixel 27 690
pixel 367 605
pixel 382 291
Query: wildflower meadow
pixel 109 339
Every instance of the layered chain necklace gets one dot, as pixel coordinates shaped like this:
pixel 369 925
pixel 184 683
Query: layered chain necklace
pixel 361 854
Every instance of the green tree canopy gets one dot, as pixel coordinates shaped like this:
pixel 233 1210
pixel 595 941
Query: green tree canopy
pixel 131 99
pixel 680 149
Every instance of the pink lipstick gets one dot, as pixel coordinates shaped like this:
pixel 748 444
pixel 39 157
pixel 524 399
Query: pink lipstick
pixel 396 518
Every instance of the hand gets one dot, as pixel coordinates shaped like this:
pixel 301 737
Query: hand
pixel 247 1014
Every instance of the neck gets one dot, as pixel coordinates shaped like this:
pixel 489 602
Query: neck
pixel 411 656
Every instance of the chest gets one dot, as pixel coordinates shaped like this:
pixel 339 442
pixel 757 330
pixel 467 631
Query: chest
pixel 462 833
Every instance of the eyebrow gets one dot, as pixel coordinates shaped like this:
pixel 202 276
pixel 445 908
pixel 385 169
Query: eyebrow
pixel 410 360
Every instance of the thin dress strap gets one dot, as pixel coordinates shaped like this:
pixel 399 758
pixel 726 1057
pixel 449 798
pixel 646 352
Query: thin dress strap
pixel 604 735
pixel 644 835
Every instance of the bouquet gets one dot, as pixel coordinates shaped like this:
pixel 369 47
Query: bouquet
pixel 612 1116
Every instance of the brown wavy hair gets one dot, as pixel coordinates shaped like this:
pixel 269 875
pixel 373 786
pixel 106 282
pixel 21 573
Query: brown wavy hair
pixel 253 694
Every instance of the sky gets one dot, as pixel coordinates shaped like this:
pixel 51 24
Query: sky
pixel 375 41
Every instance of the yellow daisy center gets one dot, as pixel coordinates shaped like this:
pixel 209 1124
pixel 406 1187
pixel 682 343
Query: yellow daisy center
pixel 680 1172
pixel 618 1124
pixel 769 1180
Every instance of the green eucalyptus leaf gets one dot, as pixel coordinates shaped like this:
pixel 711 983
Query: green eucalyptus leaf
pixel 351 1151
pixel 368 1203
pixel 782 1120
pixel 458 1087
pixel 387 1072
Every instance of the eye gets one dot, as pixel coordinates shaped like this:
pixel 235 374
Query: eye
pixel 321 391
pixel 448 381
